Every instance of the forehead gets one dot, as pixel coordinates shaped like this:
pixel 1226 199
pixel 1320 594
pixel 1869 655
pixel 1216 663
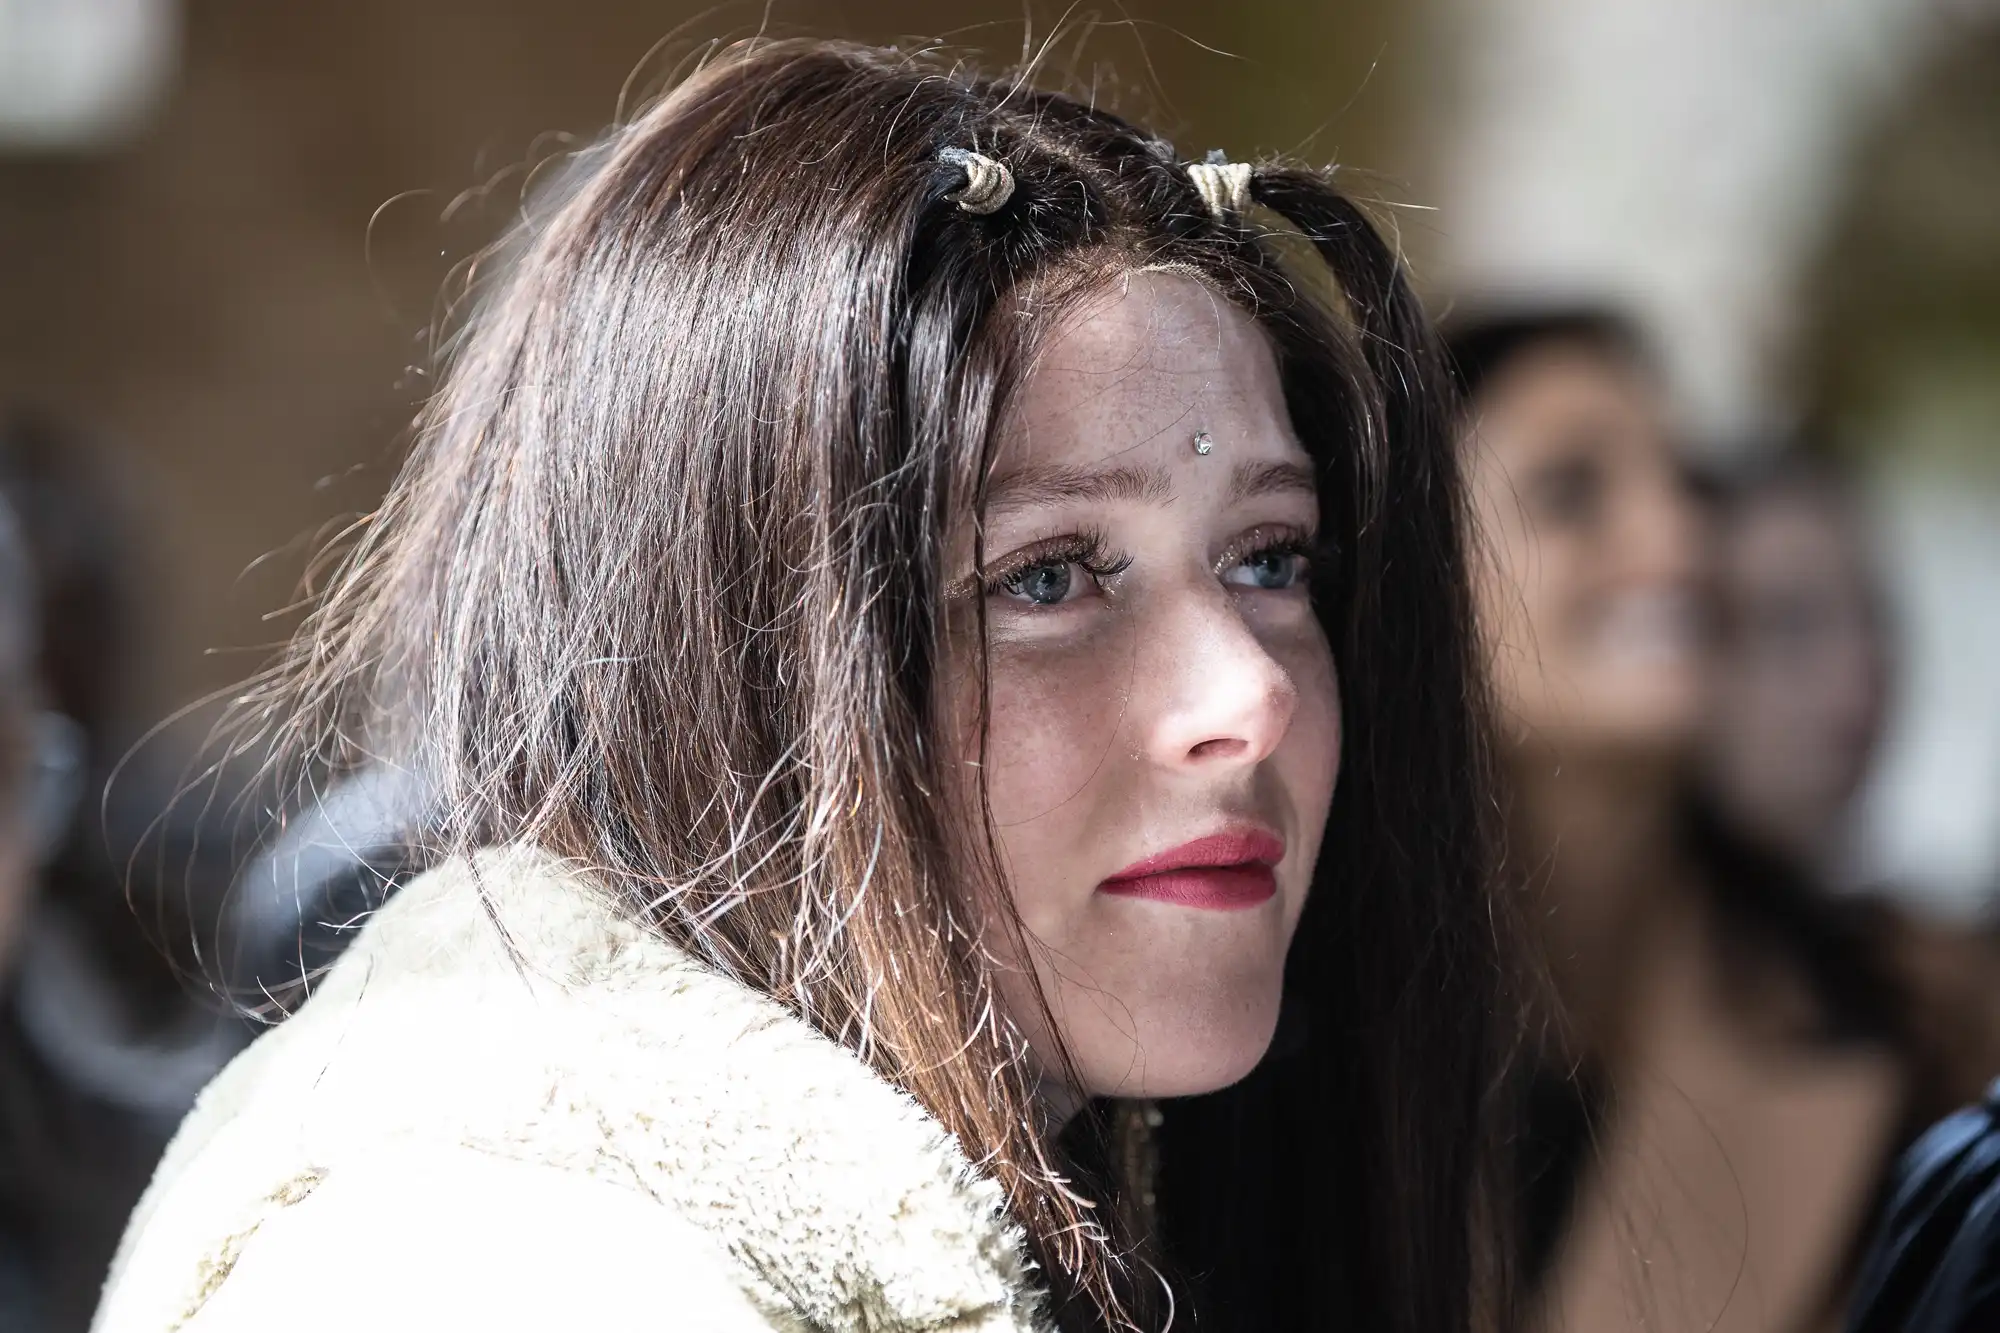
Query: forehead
pixel 1569 395
pixel 1790 530
pixel 1141 366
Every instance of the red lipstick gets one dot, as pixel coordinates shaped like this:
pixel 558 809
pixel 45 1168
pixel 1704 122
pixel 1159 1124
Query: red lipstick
pixel 1223 872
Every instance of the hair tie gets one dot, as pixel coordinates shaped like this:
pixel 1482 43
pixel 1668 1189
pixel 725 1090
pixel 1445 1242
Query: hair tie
pixel 1224 185
pixel 988 183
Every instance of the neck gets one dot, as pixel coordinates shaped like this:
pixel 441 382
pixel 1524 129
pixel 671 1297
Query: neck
pixel 1606 816
pixel 1597 837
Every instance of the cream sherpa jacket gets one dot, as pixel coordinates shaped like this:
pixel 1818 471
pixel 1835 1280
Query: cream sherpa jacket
pixel 590 1131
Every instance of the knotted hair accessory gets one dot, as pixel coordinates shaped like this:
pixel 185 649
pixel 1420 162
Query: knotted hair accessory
pixel 1224 185
pixel 988 183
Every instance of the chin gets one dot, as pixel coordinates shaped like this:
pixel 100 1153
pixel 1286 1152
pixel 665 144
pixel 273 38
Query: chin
pixel 1191 1054
pixel 1665 718
pixel 1669 730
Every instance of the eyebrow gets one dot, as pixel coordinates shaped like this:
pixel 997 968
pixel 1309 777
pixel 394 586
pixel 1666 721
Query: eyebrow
pixel 1253 479
pixel 1059 483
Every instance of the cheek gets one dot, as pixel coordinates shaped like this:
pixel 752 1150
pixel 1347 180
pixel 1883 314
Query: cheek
pixel 1511 586
pixel 1536 590
pixel 1552 578
pixel 1055 714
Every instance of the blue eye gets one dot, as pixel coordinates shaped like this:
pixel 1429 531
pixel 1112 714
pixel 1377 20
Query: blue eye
pixel 1041 585
pixel 1060 570
pixel 1274 569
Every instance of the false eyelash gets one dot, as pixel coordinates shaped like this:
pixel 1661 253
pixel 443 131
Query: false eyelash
pixel 1088 550
pixel 1318 551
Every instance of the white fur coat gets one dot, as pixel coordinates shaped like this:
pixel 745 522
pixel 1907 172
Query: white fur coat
pixel 606 1136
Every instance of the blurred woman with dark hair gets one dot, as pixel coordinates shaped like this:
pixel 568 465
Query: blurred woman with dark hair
pixel 1737 1057
pixel 909 597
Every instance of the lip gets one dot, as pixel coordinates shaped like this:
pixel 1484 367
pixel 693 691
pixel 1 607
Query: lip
pixel 1227 871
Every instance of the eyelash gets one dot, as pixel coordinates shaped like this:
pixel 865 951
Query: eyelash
pixel 1089 550
pixel 1267 542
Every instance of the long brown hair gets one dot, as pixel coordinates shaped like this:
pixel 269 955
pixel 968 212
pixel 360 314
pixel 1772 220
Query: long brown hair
pixel 661 589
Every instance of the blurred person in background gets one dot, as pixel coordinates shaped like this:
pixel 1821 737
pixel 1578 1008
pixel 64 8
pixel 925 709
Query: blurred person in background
pixel 1803 691
pixel 1802 684
pixel 101 1048
pixel 1733 1059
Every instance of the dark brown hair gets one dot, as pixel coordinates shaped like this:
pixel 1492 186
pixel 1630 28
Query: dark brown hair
pixel 1481 343
pixel 661 588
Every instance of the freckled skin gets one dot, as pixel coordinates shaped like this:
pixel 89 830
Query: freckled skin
pixel 1179 698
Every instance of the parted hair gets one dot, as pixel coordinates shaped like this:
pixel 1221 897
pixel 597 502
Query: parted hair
pixel 661 587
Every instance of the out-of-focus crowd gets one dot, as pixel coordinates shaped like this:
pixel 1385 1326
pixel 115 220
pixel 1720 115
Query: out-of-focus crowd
pixel 1692 669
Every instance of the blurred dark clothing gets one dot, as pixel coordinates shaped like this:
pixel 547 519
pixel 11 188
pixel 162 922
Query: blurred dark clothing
pixel 93 1082
pixel 306 895
pixel 71 1169
pixel 1935 1263
pixel 92 1086
pixel 107 888
pixel 84 524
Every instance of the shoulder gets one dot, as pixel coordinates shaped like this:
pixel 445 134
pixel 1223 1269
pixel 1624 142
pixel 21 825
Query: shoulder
pixel 464 1240
pixel 1935 1265
pixel 505 1010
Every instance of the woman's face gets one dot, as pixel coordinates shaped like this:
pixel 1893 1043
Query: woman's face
pixel 1592 592
pixel 1164 724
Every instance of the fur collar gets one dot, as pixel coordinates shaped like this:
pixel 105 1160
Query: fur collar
pixel 596 1047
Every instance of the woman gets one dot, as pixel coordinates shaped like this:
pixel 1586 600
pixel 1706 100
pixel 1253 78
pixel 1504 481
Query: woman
pixel 880 604
pixel 1738 1059
pixel 1803 683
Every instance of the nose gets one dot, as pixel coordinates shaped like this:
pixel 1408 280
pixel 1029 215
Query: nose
pixel 1667 532
pixel 1222 699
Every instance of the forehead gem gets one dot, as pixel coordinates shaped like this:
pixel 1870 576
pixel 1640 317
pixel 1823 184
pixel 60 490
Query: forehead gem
pixel 1204 443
